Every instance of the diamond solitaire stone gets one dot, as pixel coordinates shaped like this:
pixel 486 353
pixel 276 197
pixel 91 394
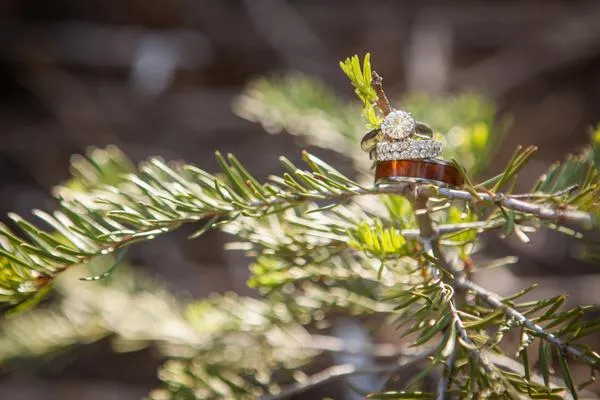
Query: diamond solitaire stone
pixel 398 124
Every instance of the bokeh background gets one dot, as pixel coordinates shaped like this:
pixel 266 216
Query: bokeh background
pixel 158 77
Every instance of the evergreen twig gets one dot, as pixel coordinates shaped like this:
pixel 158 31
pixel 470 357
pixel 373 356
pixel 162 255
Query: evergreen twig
pixel 430 238
pixel 513 202
pixel 382 101
pixel 495 301
pixel 344 371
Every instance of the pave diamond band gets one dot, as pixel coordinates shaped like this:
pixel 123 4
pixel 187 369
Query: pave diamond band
pixel 408 149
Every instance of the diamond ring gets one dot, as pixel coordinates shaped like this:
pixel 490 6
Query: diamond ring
pixel 398 125
pixel 408 149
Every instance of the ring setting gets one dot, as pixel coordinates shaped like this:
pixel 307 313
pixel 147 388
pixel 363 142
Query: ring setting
pixel 398 125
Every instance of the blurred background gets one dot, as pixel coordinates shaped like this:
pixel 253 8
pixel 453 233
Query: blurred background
pixel 158 77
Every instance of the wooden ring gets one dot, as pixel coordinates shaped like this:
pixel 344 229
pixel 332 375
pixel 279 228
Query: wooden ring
pixel 427 171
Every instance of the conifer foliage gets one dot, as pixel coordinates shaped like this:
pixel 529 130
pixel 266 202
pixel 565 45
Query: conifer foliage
pixel 322 244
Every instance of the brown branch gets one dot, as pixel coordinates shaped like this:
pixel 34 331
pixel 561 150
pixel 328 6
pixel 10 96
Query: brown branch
pixel 542 211
pixel 342 371
pixel 461 282
pixel 513 202
pixel 496 302
pixel 476 354
pixel 382 101
pixel 430 240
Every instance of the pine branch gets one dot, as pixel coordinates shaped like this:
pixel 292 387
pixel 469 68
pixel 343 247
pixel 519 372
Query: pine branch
pixel 344 371
pixel 382 101
pixel 591 359
pixel 159 199
pixel 429 236
pixel 479 226
pixel 223 324
pixel 476 355
pixel 542 211
pixel 445 380
pixel 156 200
pixel 86 313
pixel 430 239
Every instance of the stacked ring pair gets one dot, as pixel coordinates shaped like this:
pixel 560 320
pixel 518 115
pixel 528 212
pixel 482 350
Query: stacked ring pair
pixel 405 151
